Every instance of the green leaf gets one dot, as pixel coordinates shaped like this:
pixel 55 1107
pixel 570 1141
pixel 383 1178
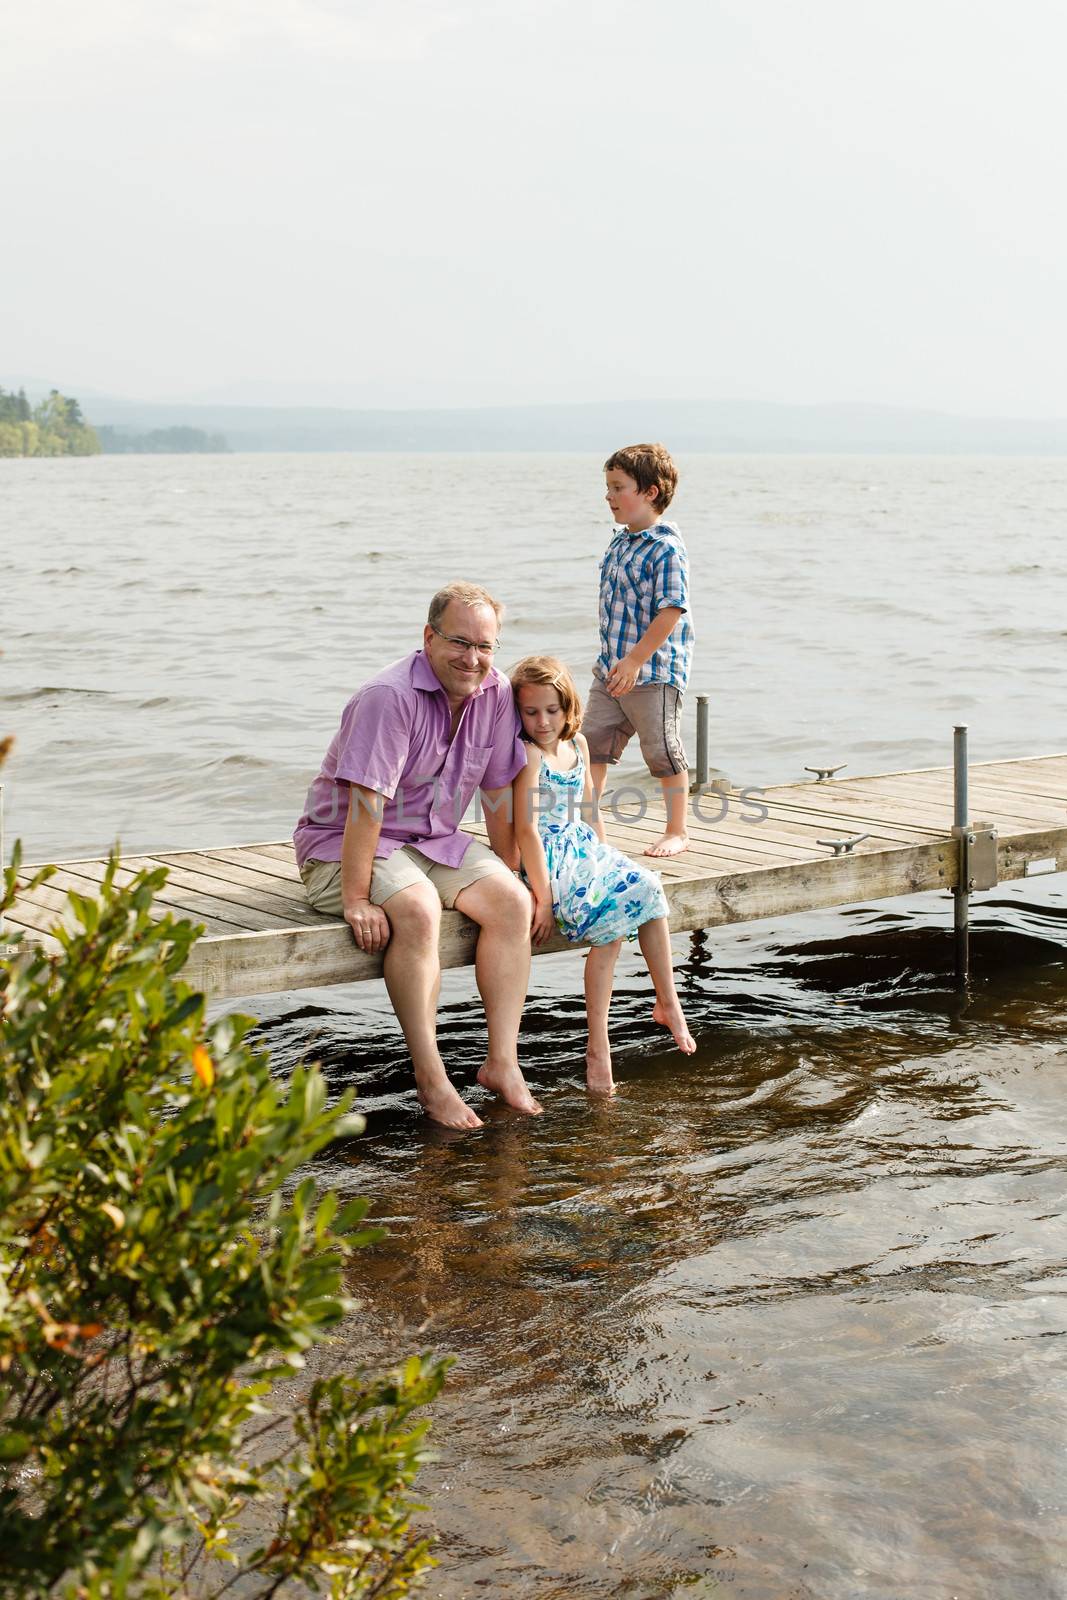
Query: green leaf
pixel 173 1019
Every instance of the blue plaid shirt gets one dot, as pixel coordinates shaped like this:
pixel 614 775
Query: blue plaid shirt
pixel 639 575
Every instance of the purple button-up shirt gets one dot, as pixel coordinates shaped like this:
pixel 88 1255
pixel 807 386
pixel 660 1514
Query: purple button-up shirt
pixel 396 738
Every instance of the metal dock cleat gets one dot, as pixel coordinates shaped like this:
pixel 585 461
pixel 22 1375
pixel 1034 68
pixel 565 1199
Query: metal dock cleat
pixel 822 773
pixel 844 846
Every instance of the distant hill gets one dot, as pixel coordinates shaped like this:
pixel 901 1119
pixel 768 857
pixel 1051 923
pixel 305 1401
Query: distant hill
pixel 160 441
pixel 723 426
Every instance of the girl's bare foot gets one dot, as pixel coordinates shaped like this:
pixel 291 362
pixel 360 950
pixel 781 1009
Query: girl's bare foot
pixel 442 1103
pixel 671 844
pixel 670 1016
pixel 598 1078
pixel 505 1079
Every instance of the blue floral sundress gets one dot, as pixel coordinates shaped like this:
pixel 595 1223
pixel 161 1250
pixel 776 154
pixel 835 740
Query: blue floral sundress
pixel 598 894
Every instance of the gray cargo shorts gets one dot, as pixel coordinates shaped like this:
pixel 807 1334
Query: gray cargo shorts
pixel 653 711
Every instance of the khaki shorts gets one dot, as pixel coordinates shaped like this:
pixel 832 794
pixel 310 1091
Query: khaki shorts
pixel 322 879
pixel 653 711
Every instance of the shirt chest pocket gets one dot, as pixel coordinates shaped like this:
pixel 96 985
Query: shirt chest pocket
pixel 642 573
pixel 476 759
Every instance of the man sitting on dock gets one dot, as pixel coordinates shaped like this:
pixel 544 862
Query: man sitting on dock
pixel 380 844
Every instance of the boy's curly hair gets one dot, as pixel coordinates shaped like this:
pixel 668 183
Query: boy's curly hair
pixel 650 466
pixel 547 672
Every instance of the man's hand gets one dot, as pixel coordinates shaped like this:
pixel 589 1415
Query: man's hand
pixel 369 924
pixel 623 676
pixel 542 922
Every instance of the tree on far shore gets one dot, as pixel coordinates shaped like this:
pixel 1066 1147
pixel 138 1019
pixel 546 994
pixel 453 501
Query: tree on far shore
pixel 56 427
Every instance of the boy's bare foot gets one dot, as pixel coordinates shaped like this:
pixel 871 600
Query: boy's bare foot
pixel 598 1078
pixel 505 1079
pixel 443 1104
pixel 671 844
pixel 671 1016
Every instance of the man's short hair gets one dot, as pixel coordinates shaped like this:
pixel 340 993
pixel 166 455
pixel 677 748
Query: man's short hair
pixel 467 594
pixel 548 673
pixel 650 466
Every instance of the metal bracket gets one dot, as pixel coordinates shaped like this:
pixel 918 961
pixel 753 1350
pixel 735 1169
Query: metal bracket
pixel 822 773
pixel 844 846
pixel 978 857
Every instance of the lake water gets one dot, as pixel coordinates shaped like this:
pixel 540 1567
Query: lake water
pixel 784 1318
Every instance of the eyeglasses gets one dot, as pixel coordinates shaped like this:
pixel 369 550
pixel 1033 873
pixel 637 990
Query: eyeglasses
pixel 463 645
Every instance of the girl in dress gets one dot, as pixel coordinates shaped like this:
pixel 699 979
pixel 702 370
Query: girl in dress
pixel 580 883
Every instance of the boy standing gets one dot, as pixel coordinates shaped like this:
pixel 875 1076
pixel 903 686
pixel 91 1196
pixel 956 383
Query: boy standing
pixel 646 638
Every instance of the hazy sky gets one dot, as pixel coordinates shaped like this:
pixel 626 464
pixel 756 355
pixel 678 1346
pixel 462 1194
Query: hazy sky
pixel 422 202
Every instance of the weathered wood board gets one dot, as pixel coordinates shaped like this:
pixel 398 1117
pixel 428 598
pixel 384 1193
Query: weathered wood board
pixel 261 936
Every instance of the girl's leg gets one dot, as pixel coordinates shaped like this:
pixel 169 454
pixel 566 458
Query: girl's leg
pixel 655 940
pixel 599 977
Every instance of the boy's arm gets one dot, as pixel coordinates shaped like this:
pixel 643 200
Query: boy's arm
pixel 623 675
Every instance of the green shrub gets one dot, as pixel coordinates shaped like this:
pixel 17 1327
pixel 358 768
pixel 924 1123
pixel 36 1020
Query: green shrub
pixel 158 1296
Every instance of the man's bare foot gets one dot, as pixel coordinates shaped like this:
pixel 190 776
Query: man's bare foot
pixel 670 1016
pixel 507 1081
pixel 598 1078
pixel 671 844
pixel 443 1104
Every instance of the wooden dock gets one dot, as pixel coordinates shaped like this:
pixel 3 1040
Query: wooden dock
pixel 261 936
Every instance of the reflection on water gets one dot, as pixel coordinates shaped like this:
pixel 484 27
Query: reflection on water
pixel 783 1319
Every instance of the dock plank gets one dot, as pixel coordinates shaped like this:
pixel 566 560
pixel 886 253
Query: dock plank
pixel 36 919
pixel 916 816
pixel 855 816
pixel 170 901
pixel 183 889
pixel 239 872
pixel 279 866
pixel 262 936
pixel 280 850
pixel 637 829
pixel 709 847
pixel 1048 794
pixel 29 939
pixel 800 834
pixel 1007 804
pixel 237 898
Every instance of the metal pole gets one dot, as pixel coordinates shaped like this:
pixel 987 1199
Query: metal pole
pixel 961 893
pixel 702 743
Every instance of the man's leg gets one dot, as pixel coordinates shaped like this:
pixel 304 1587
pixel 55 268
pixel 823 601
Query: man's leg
pixel 501 907
pixel 413 979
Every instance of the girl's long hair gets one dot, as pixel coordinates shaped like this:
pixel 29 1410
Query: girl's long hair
pixel 548 673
